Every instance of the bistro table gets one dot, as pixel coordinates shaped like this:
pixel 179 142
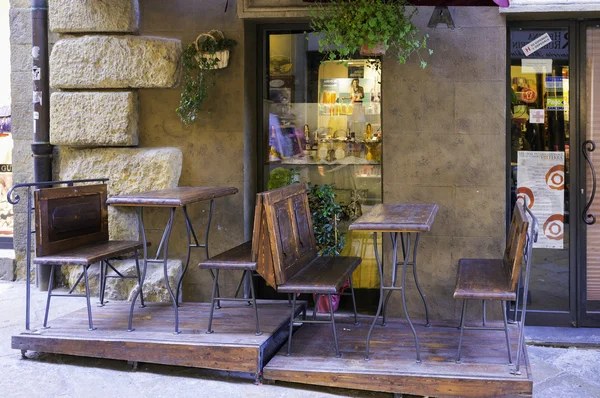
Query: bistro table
pixel 402 219
pixel 171 198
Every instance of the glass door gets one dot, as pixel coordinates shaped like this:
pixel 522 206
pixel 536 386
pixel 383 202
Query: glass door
pixel 542 129
pixel 589 295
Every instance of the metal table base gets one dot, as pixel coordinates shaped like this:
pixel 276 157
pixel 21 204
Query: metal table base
pixel 163 247
pixel 405 239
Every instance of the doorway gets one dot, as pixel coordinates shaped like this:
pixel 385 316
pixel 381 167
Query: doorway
pixel 554 103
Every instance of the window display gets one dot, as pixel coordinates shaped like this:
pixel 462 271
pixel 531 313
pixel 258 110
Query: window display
pixel 322 119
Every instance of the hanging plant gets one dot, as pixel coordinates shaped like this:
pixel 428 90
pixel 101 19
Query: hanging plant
pixel 210 51
pixel 373 27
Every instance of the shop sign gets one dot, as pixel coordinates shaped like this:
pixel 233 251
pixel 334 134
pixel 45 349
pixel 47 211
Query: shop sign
pixel 557 48
pixel 555 104
pixel 554 83
pixel 541 181
pixel 536 116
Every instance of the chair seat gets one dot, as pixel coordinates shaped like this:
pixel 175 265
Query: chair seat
pixel 91 253
pixel 238 258
pixel 323 275
pixel 483 279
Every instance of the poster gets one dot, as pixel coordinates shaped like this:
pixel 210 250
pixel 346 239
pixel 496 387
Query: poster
pixel 541 180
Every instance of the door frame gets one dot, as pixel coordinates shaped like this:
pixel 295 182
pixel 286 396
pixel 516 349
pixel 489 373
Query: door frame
pixel 583 318
pixel 553 317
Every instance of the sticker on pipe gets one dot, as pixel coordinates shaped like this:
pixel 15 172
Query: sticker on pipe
pixel 536 44
pixel 36 72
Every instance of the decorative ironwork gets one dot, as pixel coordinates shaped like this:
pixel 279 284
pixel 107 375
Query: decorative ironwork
pixel 589 146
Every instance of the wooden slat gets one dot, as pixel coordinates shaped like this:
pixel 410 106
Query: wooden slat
pixel 90 254
pixel 392 368
pixel 172 197
pixel 237 258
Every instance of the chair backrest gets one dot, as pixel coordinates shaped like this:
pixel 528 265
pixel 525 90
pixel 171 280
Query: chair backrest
pixel 70 217
pixel 283 238
pixel 515 244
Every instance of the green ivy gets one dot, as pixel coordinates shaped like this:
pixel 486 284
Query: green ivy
pixel 198 76
pixel 325 213
pixel 345 25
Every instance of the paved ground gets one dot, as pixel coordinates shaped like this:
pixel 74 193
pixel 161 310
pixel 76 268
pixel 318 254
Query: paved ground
pixel 558 372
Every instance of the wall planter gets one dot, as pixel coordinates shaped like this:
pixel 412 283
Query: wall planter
pixel 200 60
pixel 373 27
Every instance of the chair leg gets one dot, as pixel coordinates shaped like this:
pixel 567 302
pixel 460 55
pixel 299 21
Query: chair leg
pixel 484 317
pixel 462 329
pixel 139 277
pixel 50 283
pixel 102 284
pixel 356 323
pixel 212 301
pixel 503 304
pixel 289 347
pixel 249 276
pixel 338 354
pixel 87 297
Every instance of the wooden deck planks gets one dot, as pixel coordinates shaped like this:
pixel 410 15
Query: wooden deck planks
pixel 232 347
pixel 484 370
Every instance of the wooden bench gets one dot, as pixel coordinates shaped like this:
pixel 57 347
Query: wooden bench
pixel 71 226
pixel 283 252
pixel 497 279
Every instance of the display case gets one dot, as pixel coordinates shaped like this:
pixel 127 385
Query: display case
pixel 322 119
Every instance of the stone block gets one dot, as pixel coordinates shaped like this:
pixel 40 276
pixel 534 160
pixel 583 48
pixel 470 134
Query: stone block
pixel 66 16
pixel 7 265
pixel 21 120
pixel 20 25
pixel 123 289
pixel 20 58
pixel 130 170
pixel 91 119
pixel 479 108
pixel 480 211
pixel 115 62
pixel 21 84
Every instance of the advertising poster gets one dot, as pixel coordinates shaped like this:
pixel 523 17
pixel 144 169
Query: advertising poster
pixel 541 180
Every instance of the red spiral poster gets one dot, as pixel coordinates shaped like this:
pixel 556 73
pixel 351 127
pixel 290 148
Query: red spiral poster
pixel 541 180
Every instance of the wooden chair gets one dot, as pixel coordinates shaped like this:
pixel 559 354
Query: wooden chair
pixel 496 279
pixel 71 226
pixel 283 251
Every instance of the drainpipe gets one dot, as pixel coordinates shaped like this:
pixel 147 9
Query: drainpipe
pixel 41 148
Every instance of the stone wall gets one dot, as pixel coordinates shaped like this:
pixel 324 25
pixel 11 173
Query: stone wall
pixel 444 142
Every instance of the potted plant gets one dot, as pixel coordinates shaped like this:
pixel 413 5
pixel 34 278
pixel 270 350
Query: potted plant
pixel 373 27
pixel 210 51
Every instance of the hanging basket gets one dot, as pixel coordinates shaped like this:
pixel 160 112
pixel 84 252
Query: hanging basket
pixel 222 56
pixel 375 51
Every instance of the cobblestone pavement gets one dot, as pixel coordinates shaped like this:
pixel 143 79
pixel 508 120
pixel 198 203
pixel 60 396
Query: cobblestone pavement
pixel 558 372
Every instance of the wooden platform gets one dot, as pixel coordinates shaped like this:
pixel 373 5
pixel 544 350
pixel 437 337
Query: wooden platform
pixel 484 370
pixel 233 346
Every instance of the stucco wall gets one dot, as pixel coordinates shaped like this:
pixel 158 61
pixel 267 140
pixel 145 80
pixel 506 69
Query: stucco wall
pixel 444 143
pixel 213 147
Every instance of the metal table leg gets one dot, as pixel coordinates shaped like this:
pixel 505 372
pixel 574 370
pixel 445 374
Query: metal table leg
pixel 145 267
pixel 383 301
pixel 381 288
